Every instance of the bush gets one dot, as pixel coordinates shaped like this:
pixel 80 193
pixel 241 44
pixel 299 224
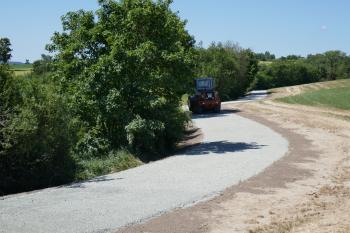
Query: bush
pixel 43 144
pixel 36 140
pixel 145 136
pixel 154 134
pixel 9 94
pixel 91 145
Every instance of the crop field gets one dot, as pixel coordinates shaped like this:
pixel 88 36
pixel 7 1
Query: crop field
pixel 21 69
pixel 334 97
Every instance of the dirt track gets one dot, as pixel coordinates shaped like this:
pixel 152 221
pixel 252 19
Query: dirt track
pixel 306 191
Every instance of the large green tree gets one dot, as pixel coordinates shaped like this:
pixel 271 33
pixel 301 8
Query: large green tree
pixel 126 66
pixel 5 50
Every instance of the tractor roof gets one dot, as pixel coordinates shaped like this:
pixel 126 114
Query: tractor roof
pixel 204 83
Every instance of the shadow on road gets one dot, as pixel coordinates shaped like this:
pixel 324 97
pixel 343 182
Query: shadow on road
pixel 95 180
pixel 223 112
pixel 221 147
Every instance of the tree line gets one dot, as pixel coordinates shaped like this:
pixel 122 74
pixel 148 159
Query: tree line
pixel 110 96
pixel 295 70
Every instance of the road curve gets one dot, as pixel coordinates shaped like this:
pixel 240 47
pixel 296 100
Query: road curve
pixel 234 149
pixel 251 96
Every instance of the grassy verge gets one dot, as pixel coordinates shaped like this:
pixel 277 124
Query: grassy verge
pixel 338 97
pixel 115 162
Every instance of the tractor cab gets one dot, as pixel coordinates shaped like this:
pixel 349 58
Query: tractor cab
pixel 205 97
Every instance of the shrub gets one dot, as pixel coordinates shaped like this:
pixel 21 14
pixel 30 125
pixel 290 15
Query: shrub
pixel 145 137
pixel 91 145
pixel 36 140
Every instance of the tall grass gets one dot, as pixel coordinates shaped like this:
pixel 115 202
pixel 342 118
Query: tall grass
pixel 114 162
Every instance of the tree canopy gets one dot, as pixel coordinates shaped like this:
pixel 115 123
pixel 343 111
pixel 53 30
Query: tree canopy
pixel 131 60
pixel 5 50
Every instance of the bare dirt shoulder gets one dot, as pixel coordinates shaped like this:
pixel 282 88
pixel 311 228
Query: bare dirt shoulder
pixel 306 191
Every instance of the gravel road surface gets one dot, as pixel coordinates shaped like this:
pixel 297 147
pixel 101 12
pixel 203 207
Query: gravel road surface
pixel 234 149
pixel 251 96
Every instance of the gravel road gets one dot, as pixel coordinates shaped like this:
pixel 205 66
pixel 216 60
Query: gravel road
pixel 251 96
pixel 234 149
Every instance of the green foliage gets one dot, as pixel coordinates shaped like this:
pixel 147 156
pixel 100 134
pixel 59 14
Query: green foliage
pixel 115 161
pixel 5 50
pixel 144 136
pixel 333 97
pixel 44 65
pixel 7 95
pixel 267 56
pixel 42 143
pixel 294 70
pixel 232 67
pixel 154 138
pixel 291 57
pixel 331 65
pixel 285 73
pixel 36 138
pixel 115 82
pixel 91 145
pixel 121 66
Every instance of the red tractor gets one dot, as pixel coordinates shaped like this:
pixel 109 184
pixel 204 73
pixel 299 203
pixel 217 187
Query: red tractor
pixel 205 98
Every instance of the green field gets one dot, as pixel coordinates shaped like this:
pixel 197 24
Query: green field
pixel 337 97
pixel 21 66
pixel 21 69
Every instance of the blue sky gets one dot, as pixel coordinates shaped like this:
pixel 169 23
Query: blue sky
pixel 280 26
